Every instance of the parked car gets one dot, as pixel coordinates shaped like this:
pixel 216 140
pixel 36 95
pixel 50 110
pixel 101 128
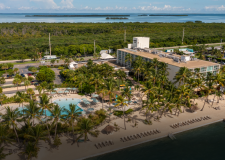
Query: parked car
pixel 22 75
pixel 222 63
pixel 34 81
pixel 9 76
pixel 29 74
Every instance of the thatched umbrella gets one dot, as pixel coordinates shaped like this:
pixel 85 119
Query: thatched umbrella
pixel 194 108
pixel 108 129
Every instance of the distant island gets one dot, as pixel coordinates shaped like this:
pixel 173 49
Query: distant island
pixel 77 15
pixel 116 18
pixel 143 15
pixel 166 15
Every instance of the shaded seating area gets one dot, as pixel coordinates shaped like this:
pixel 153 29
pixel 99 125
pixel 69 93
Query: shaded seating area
pixel 108 129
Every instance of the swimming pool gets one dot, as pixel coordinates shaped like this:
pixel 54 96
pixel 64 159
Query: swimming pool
pixel 64 102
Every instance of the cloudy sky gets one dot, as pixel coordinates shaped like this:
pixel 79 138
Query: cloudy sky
pixel 114 6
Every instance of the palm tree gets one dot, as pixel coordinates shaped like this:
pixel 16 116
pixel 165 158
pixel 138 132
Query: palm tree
pixel 121 101
pixel 32 111
pixel 26 84
pixel 10 117
pixel 110 87
pixel 127 93
pixel 37 133
pixel 16 70
pixel 129 59
pixel 16 81
pixel 96 79
pixel 86 126
pixel 80 79
pixel 121 75
pixel 207 90
pixel 2 80
pixel 30 92
pixel 72 114
pixel 138 66
pixel 56 114
pixel 45 105
pixel 39 88
pixel 5 67
pixel 103 92
pixel 66 61
pixel 22 97
pixel 5 136
pixel 182 75
pixel 31 150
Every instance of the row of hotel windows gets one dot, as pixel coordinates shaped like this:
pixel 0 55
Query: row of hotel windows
pixel 212 69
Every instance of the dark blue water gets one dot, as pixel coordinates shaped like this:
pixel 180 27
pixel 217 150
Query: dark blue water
pixel 20 17
pixel 205 143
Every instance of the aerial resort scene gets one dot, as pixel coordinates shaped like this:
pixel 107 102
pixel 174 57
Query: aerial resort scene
pixel 103 81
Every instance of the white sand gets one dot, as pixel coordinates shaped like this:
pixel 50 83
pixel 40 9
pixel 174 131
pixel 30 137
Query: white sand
pixel 67 151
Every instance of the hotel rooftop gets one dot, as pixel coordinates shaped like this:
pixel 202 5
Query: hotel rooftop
pixel 169 58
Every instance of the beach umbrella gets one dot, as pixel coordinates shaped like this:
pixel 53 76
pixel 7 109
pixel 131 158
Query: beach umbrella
pixel 90 109
pixel 108 129
pixel 66 91
pixel 95 95
pixel 60 92
pixel 68 88
pixel 56 89
pixel 53 92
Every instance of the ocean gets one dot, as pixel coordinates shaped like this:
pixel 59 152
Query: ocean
pixel 204 143
pixel 134 17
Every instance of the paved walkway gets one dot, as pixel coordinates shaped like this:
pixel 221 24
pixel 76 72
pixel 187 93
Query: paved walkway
pixel 14 89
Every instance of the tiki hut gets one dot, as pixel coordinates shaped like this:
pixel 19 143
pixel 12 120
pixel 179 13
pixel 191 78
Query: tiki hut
pixel 108 129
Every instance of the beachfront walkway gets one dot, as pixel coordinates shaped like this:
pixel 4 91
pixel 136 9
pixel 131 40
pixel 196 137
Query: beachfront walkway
pixel 67 151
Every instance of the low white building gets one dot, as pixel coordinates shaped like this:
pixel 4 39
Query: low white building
pixel 106 56
pixel 73 65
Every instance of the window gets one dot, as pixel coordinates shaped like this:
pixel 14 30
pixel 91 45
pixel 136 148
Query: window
pixel 214 72
pixel 203 69
pixel 216 68
pixel 210 68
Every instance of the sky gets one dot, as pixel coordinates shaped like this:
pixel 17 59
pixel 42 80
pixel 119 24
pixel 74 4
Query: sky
pixel 112 6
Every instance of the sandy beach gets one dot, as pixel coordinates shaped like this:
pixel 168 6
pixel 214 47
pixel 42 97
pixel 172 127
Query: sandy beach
pixel 69 151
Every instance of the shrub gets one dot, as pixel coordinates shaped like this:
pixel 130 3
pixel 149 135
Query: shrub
pixel 120 113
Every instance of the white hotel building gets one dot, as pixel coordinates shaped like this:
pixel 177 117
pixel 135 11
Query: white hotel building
pixel 140 47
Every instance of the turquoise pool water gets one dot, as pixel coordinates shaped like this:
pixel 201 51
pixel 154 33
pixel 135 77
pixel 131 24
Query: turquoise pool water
pixel 64 102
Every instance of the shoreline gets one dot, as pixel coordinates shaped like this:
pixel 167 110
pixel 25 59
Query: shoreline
pixel 106 152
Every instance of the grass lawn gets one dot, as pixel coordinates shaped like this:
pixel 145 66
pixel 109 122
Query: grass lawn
pixel 28 62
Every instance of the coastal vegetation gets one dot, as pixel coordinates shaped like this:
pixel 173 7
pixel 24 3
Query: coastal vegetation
pixel 24 40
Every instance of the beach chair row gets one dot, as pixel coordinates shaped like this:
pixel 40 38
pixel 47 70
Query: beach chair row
pixel 104 144
pixel 191 121
pixel 140 135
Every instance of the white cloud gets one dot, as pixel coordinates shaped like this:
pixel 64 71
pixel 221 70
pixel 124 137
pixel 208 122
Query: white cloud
pixel 24 8
pixel 164 8
pixel 67 4
pixel 2 6
pixel 215 8
pixel 48 4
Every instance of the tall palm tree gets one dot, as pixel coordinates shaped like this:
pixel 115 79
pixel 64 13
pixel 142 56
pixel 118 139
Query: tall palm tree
pixel 45 105
pixel 30 92
pixel 129 58
pixel 97 80
pixel 56 114
pixel 22 97
pixel 103 92
pixel 26 84
pixel 5 136
pixel 127 93
pixel 32 111
pixel 182 75
pixel 10 117
pixel 85 127
pixel 72 114
pixel 110 87
pixel 121 102
pixel 39 88
pixel 37 133
pixel 16 81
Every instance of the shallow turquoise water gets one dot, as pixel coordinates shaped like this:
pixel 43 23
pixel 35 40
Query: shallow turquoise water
pixel 64 102
pixel 205 143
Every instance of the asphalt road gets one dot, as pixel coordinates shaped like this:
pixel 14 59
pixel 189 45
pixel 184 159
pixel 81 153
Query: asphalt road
pixel 14 91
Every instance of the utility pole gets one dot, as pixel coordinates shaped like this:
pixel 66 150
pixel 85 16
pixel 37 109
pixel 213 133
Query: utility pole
pixel 94 46
pixel 124 35
pixel 221 42
pixel 183 36
pixel 49 45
